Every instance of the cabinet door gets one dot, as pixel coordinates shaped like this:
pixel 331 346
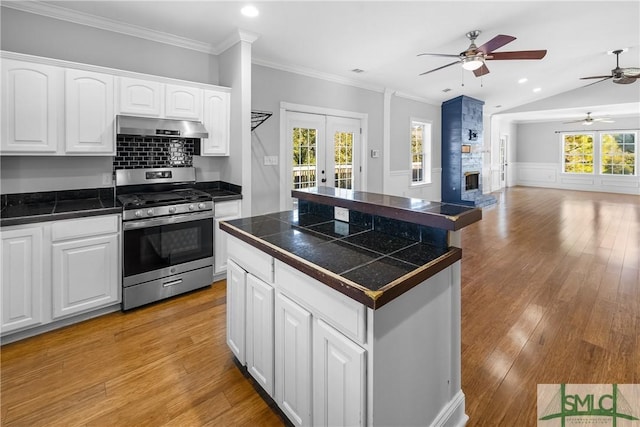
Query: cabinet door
pixel 338 378
pixel 182 102
pixel 236 284
pixel 216 121
pixel 21 287
pixel 140 97
pixel 85 274
pixel 260 332
pixel 293 360
pixel 89 113
pixel 223 211
pixel 31 107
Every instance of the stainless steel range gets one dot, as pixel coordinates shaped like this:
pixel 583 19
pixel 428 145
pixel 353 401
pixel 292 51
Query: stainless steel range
pixel 168 234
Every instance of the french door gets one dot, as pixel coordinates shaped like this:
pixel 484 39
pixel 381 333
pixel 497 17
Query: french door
pixel 503 161
pixel 323 151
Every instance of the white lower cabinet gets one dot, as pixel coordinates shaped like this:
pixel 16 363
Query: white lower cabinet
pixel 338 378
pixel 54 270
pixel 293 360
pixel 260 332
pixel 223 211
pixel 21 287
pixel 236 316
pixel 84 274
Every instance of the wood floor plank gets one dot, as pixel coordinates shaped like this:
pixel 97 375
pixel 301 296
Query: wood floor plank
pixel 550 294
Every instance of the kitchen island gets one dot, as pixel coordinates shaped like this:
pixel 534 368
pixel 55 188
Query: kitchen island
pixel 351 322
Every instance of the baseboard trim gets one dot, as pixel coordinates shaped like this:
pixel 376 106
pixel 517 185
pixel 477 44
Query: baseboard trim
pixel 452 415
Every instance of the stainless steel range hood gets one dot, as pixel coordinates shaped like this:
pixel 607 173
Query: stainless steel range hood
pixel 149 126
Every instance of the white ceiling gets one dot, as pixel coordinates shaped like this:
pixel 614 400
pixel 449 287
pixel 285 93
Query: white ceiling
pixel 330 38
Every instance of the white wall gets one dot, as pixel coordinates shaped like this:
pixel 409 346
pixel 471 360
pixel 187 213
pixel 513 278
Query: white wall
pixel 270 87
pixel 534 147
pixel 539 157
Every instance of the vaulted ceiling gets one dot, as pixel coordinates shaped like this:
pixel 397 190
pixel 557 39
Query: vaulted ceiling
pixel 383 39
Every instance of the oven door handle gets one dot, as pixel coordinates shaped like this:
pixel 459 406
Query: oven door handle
pixel 175 219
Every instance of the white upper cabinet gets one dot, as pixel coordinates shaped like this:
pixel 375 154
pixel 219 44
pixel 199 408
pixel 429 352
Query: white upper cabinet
pixel 141 97
pixel 216 121
pixel 31 114
pixel 183 102
pixel 89 113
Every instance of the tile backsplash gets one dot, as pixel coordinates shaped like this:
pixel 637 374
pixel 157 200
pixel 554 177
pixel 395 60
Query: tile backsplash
pixel 136 152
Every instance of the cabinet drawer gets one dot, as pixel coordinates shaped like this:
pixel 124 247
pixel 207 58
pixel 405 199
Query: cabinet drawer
pixel 226 209
pixel 342 312
pixel 82 227
pixel 251 259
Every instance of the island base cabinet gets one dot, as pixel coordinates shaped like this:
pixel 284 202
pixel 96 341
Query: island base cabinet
pixel 338 378
pixel 293 360
pixel 236 291
pixel 260 332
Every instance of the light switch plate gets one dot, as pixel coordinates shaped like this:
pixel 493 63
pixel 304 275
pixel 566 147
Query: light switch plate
pixel 270 160
pixel 341 214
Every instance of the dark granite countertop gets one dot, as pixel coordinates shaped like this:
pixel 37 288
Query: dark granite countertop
pixel 365 264
pixel 29 208
pixel 435 214
pixel 220 191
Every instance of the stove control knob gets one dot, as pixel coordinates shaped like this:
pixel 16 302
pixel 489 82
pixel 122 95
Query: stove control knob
pixel 150 212
pixel 201 206
pixel 191 207
pixel 172 209
pixel 138 214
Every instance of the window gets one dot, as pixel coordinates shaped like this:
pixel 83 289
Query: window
pixel 618 153
pixel 578 153
pixel 420 152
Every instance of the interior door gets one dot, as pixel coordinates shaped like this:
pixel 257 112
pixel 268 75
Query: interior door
pixel 322 151
pixel 503 161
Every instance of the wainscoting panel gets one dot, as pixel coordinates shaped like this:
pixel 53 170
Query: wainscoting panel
pixel 549 175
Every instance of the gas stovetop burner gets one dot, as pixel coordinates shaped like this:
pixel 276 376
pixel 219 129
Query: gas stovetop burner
pixel 132 201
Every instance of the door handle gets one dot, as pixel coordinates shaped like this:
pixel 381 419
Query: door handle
pixel 323 180
pixel 172 283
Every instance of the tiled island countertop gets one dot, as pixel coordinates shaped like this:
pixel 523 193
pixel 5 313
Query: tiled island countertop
pixel 389 245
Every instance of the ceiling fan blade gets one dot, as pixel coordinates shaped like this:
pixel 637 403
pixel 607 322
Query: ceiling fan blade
pixel 481 71
pixel 518 54
pixel 439 68
pixel 596 77
pixel 573 121
pixel 591 84
pixel 495 43
pixel 446 55
pixel 603 120
pixel 631 72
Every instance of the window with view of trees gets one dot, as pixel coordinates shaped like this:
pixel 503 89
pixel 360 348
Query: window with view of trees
pixel 618 153
pixel 420 152
pixel 578 153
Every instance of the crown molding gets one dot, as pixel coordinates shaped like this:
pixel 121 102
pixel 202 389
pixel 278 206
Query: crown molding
pixel 417 98
pixel 238 36
pixel 82 18
pixel 317 74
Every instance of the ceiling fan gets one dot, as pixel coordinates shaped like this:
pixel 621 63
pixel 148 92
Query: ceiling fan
pixel 474 57
pixel 619 75
pixel 588 121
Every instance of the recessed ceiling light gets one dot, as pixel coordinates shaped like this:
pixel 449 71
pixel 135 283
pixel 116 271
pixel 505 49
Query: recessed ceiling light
pixel 537 89
pixel 250 11
pixel 523 80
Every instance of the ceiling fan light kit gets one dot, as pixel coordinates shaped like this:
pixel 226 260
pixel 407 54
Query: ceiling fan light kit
pixel 472 63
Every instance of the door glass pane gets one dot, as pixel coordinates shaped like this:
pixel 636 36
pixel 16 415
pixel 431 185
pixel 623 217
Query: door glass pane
pixel 343 152
pixel 304 157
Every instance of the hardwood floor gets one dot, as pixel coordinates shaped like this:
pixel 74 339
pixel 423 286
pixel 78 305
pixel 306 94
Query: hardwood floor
pixel 551 294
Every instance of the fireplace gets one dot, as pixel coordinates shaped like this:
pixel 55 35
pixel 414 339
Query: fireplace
pixel 471 181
